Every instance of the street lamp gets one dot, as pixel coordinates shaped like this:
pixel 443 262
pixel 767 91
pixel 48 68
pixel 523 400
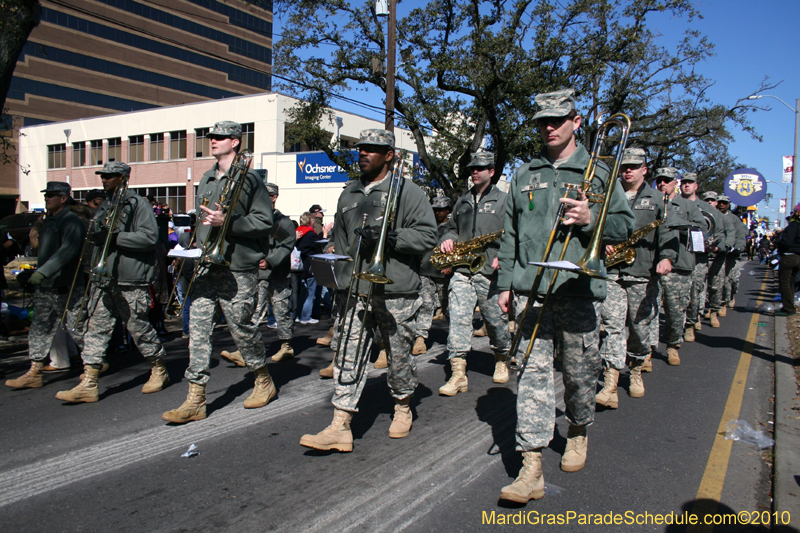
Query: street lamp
pixel 796 112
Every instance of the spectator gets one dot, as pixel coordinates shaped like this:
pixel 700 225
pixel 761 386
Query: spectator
pixel 317 213
pixel 789 248
pixel 306 239
pixel 296 274
pixel 94 199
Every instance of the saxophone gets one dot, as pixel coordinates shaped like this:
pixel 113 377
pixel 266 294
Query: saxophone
pixel 624 251
pixel 468 253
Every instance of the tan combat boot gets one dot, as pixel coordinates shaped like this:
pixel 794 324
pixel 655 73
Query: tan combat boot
pixel 647 365
pixel 419 347
pixel 326 340
pixel 458 380
pixel 158 378
pixel 233 357
pixel 574 457
pixel 326 372
pixel 698 326
pixel 86 391
pixel 263 391
pixel 529 484
pixel 32 379
pixel 688 335
pixel 480 332
pixel 401 423
pixel 714 320
pixel 500 369
pixel 672 355
pixel 636 387
pixel 707 315
pixel 608 397
pixel 723 311
pixel 337 436
pixel 381 362
pixel 285 353
pixel 732 303
pixel 193 408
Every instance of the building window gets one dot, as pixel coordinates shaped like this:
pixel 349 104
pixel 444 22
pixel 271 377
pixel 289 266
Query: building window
pixel 248 137
pixel 177 144
pixel 96 155
pixel 57 156
pixel 174 197
pixel 79 154
pixel 156 147
pixel 136 148
pixel 201 145
pixel 115 149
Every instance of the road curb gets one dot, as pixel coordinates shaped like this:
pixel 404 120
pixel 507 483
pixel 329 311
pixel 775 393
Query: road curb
pixel 786 489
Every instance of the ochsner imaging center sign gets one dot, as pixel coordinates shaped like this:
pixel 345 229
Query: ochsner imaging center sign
pixel 318 168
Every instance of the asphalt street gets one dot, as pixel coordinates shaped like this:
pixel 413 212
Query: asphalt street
pixel 116 466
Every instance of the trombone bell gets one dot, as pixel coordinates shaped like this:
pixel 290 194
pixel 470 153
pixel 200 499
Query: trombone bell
pixel 375 273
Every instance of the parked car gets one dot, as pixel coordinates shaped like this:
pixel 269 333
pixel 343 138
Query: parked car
pixel 183 222
pixel 18 227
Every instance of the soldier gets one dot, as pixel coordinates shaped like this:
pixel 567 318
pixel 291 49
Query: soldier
pixel 572 318
pixel 234 287
pixel 124 293
pixel 731 279
pixel 479 212
pixel 676 282
pixel 632 299
pixel 700 272
pixel 441 211
pixel 274 288
pixel 716 266
pixel 60 241
pixel 394 306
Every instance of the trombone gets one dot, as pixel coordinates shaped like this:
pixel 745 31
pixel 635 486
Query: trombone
pixel 592 263
pixel 373 274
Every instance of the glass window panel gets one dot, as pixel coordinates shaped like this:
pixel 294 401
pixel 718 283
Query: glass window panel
pixel 201 144
pixel 115 149
pixel 156 147
pixel 57 156
pixel 96 156
pixel 79 154
pixel 136 148
pixel 177 148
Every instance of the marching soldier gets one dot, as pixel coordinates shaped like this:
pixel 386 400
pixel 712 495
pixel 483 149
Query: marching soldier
pixel 632 299
pixel 125 292
pixel 60 239
pixel 716 267
pixel 572 319
pixel 234 287
pixel 731 280
pixel 394 306
pixel 479 212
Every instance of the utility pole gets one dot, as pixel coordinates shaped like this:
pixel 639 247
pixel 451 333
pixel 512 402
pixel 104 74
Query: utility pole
pixel 390 65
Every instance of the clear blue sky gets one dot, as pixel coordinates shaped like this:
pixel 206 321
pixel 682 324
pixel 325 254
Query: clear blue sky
pixel 753 39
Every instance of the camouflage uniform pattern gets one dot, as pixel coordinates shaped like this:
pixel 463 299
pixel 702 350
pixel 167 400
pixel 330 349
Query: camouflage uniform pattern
pixel 465 291
pixel 277 294
pixel 677 287
pixel 132 305
pixel 262 308
pixel 236 294
pixel 48 306
pixel 731 279
pixel 442 288
pixel 716 282
pixel 428 307
pixel 576 321
pixel 629 307
pixel 395 319
pixel 655 324
pixel 697 294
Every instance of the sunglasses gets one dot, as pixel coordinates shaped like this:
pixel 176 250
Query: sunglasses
pixel 552 121
pixel 662 179
pixel 106 177
pixel 217 137
pixel 51 194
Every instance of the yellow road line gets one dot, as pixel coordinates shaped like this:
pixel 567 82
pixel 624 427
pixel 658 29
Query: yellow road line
pixel 710 491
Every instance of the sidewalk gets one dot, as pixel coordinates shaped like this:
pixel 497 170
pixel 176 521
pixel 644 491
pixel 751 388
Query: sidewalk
pixel 786 480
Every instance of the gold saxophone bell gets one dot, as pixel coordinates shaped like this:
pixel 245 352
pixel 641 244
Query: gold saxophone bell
pixel 470 254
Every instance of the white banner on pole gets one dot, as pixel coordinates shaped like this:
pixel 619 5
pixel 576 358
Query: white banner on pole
pixel 782 209
pixel 787 168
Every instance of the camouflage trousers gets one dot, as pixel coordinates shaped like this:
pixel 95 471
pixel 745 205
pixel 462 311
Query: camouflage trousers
pixel 573 325
pixel 716 282
pixel 629 308
pixel 442 288
pixel 731 279
pixel 677 287
pixel 236 294
pixel 697 294
pixel 655 325
pixel 465 291
pixel 278 294
pixel 428 307
pixel 48 306
pixel 395 319
pixel 132 305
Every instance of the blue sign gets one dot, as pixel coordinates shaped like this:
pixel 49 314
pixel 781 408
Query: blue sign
pixel 745 186
pixel 318 168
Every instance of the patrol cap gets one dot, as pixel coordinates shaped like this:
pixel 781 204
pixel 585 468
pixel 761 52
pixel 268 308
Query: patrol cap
pixel 710 195
pixel 227 128
pixel 689 176
pixel 556 104
pixel 481 159
pixel 96 193
pixel 723 198
pixel 115 167
pixel 60 187
pixel 668 172
pixel 272 189
pixel 376 137
pixel 633 156
pixel 441 202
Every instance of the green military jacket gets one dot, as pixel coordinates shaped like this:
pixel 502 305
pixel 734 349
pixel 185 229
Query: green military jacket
pixel 278 248
pixel 131 261
pixel 469 221
pixel 427 268
pixel 60 242
pixel 730 230
pixel 683 212
pixel 661 243
pixel 251 222
pixel 741 233
pixel 718 236
pixel 416 234
pixel 531 208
